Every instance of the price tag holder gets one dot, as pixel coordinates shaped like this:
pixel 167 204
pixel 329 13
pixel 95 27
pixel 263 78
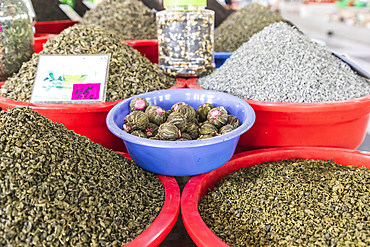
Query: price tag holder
pixel 71 79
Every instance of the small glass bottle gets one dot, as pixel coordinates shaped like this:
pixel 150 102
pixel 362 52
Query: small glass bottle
pixel 16 37
pixel 185 38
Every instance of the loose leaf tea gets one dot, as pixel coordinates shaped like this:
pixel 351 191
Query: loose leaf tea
pixel 181 123
pixel 279 64
pixel 240 26
pixel 291 203
pixel 185 41
pixel 60 189
pixel 130 19
pixel 16 37
pixel 129 72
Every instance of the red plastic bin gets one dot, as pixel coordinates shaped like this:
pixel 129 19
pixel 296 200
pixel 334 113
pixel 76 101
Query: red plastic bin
pixel 147 48
pixel 340 124
pixel 198 186
pixel 53 27
pixel 85 119
pixel 40 39
pixel 165 220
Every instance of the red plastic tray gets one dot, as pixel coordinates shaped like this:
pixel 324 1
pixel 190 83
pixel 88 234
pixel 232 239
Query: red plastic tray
pixel 40 39
pixel 198 186
pixel 53 27
pixel 85 119
pixel 166 219
pixel 147 48
pixel 340 124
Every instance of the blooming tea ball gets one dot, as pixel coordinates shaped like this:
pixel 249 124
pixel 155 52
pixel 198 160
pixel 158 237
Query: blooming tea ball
pixel 208 129
pixel 168 132
pixel 156 115
pixel 193 130
pixel 139 133
pixel 203 111
pixel 137 120
pixel 218 116
pixel 178 120
pixel 175 106
pixel 187 111
pixel 151 130
pixel 185 137
pixel 138 104
pixel 233 121
pixel 225 129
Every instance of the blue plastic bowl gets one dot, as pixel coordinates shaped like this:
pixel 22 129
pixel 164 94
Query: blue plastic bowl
pixel 221 57
pixel 182 158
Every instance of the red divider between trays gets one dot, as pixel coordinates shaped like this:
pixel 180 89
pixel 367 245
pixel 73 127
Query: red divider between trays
pixel 166 219
pixel 198 186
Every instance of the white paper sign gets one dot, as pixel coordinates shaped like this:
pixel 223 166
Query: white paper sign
pixel 71 13
pixel 71 79
pixel 91 4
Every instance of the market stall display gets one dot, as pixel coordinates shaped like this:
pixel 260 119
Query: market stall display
pixel 319 200
pixel 130 19
pixel 182 158
pixel 61 188
pixel 16 37
pixel 240 26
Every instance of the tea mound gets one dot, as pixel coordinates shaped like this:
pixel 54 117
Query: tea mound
pixel 60 189
pixel 280 64
pixel 130 19
pixel 181 123
pixel 240 26
pixel 291 203
pixel 129 72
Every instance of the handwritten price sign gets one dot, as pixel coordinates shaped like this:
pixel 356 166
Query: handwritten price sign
pixel 89 91
pixel 71 79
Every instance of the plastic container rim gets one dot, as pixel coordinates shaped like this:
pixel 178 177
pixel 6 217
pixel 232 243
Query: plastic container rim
pixel 190 196
pixel 164 220
pixel 305 107
pixel 182 144
pixel 143 42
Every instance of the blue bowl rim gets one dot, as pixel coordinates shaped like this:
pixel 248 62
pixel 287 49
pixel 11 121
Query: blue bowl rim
pixel 182 144
pixel 222 55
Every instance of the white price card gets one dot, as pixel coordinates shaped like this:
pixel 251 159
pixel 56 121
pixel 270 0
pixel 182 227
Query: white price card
pixel 71 79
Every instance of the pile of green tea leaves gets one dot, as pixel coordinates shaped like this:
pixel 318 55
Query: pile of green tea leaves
pixel 291 203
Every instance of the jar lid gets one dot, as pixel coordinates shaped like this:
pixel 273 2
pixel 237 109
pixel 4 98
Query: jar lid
pixel 184 2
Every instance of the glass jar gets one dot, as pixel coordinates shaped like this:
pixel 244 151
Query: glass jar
pixel 185 38
pixel 16 37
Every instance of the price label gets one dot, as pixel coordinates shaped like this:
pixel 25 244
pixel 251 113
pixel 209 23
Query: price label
pixel 86 91
pixel 73 79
